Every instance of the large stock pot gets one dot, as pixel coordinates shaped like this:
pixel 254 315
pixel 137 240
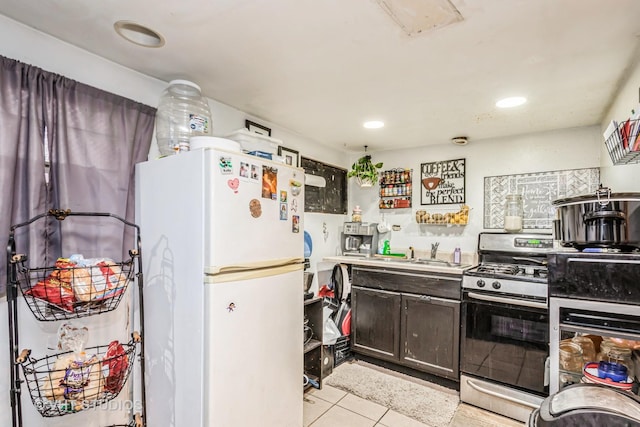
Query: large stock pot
pixel 603 220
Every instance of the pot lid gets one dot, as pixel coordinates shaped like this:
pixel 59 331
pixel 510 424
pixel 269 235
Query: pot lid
pixel 617 197
pixel 594 397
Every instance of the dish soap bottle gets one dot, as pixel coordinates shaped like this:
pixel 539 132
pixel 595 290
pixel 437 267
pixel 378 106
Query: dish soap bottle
pixel 457 256
pixel 386 248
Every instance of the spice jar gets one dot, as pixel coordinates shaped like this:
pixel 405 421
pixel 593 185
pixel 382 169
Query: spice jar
pixel 513 213
pixel 356 215
pixel 571 357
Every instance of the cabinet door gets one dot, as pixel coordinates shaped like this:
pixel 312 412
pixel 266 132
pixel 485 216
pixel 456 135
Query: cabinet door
pixel 431 334
pixel 376 322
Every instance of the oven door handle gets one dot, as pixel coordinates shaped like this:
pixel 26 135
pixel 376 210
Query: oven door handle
pixel 502 396
pixel 520 302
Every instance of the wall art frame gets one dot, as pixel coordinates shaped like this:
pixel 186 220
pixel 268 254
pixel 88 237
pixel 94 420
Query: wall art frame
pixel 443 182
pixel 291 157
pixel 257 128
pixel 538 190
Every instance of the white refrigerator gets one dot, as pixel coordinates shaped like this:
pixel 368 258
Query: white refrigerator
pixel 222 236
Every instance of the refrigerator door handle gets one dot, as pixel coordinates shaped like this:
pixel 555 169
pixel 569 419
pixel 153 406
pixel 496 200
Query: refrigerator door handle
pixel 224 269
pixel 237 275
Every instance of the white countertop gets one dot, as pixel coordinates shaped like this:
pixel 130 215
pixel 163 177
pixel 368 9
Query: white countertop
pixel 396 263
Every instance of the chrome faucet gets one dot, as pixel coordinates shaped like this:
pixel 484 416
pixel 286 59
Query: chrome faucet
pixel 434 249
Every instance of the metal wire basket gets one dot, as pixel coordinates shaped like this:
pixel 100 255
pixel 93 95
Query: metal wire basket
pixel 623 144
pixel 61 384
pixel 64 291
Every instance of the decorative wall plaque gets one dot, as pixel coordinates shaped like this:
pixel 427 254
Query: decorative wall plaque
pixel 442 183
pixel 538 191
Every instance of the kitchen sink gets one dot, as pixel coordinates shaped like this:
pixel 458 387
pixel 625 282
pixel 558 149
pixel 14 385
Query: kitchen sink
pixel 440 262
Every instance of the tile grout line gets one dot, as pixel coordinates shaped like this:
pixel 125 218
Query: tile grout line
pixel 377 422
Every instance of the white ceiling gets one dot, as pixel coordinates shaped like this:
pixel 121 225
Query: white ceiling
pixel 322 67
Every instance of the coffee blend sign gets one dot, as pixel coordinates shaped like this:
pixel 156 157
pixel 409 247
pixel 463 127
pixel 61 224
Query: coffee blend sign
pixel 442 182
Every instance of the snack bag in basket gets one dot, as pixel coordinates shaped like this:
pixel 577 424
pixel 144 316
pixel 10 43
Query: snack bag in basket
pixel 114 367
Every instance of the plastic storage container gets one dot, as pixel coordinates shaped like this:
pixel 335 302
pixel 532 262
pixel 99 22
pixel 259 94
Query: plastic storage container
pixel 182 113
pixel 513 213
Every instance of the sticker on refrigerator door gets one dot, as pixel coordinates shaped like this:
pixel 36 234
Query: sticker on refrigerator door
pixel 294 205
pixel 295 223
pixel 255 207
pixel 231 307
pixel 283 196
pixel 244 170
pixel 226 166
pixel 283 212
pixel 234 184
pixel 269 182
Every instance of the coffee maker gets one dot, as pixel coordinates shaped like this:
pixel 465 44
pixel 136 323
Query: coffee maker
pixel 359 239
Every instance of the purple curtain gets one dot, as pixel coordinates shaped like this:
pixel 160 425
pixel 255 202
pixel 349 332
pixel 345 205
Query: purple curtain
pixel 94 139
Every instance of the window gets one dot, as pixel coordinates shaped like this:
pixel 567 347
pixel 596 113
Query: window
pixel 331 199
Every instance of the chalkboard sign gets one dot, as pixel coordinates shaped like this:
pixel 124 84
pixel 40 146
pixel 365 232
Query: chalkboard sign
pixel 538 191
pixel 331 199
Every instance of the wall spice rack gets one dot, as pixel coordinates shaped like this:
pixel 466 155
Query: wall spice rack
pixel 396 188
pixel 57 288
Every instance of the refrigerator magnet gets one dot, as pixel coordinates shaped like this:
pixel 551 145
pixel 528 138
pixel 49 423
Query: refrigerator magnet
pixel 255 172
pixel 295 223
pixel 294 205
pixel 244 170
pixel 234 184
pixel 283 196
pixel 255 208
pixel 226 166
pixel 269 182
pixel 283 212
pixel 296 187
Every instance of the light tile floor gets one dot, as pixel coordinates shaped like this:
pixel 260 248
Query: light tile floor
pixel 332 407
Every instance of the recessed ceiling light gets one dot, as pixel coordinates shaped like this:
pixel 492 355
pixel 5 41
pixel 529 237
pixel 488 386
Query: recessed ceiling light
pixel 513 101
pixel 373 124
pixel 138 34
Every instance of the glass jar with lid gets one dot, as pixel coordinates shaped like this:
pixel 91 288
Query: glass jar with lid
pixel 622 356
pixel 571 357
pixel 356 215
pixel 513 213
pixel 587 346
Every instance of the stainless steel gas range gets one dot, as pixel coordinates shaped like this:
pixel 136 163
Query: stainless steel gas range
pixel 504 346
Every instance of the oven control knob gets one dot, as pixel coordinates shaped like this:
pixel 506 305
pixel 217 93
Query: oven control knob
pixel 496 285
pixel 480 283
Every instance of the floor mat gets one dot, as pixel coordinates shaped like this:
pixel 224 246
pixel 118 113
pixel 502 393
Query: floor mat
pixel 428 403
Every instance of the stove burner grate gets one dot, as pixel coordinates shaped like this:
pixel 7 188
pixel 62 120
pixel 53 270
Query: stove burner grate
pixel 489 268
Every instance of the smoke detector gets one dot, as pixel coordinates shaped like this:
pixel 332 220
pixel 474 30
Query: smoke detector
pixel 460 140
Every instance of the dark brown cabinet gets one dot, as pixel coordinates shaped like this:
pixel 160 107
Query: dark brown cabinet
pixel 411 318
pixel 430 334
pixel 375 322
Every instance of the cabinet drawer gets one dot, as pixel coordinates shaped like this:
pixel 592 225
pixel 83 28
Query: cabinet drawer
pixel 409 281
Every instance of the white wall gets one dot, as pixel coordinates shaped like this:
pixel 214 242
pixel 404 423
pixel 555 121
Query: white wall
pixel 563 149
pixel 27 45
pixel 622 178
